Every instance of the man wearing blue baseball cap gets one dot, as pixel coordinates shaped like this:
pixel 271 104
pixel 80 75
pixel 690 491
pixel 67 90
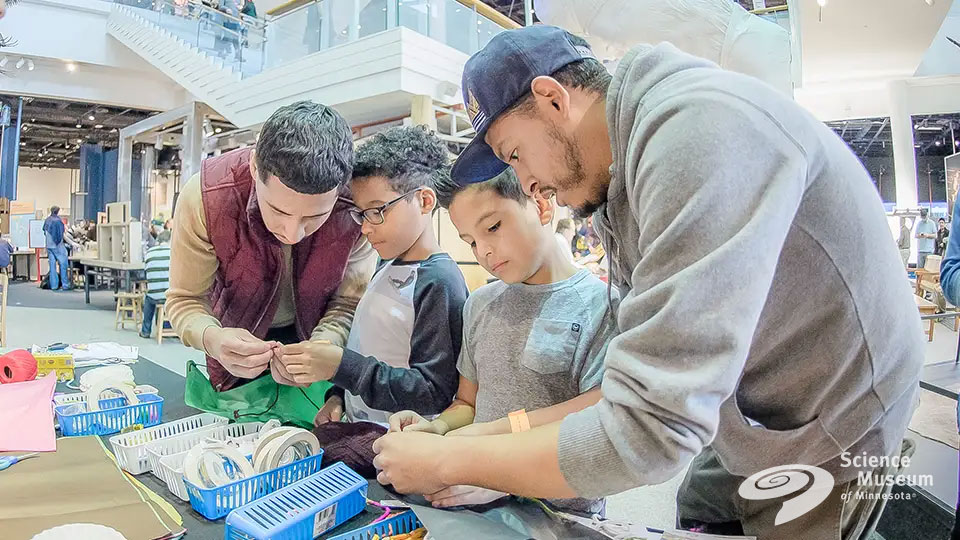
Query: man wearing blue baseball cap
pixel 764 320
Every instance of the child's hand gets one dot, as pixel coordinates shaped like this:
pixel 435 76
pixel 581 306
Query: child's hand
pixel 311 361
pixel 411 421
pixel 480 428
pixel 463 496
pixel 332 411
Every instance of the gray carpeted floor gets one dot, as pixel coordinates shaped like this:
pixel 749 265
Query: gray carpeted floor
pixel 27 294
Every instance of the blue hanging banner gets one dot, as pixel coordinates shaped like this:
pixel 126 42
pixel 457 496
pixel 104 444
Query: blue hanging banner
pixel 10 155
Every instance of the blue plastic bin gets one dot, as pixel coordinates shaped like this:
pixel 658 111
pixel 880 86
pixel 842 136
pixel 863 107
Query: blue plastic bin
pixel 398 524
pixel 114 415
pixel 214 503
pixel 302 510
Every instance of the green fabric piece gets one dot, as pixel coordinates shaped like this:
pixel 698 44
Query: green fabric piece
pixel 258 400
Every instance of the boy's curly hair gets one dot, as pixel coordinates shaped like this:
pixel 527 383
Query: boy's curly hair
pixel 408 157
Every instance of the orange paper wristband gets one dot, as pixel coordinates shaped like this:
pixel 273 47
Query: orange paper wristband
pixel 519 421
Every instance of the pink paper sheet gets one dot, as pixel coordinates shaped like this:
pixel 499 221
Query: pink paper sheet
pixel 26 416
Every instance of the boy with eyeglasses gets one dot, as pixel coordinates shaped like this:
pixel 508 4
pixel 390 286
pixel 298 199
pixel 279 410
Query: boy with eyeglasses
pixel 403 347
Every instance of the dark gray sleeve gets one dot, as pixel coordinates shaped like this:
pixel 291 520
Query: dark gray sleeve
pixel 430 383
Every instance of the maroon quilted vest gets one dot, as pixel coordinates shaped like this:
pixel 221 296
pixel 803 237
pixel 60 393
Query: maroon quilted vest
pixel 245 291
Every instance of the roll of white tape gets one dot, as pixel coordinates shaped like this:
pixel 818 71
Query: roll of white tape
pixel 264 439
pixel 204 467
pixel 93 394
pixel 283 446
pixel 115 374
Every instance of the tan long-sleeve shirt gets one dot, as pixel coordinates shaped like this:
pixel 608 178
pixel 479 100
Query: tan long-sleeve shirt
pixel 193 267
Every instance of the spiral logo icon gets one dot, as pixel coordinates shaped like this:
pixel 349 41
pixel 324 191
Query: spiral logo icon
pixel 785 480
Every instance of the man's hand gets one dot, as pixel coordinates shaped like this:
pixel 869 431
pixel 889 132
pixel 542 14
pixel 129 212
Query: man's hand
pixel 463 496
pixel 238 351
pixel 311 361
pixel 332 411
pixel 410 421
pixel 411 461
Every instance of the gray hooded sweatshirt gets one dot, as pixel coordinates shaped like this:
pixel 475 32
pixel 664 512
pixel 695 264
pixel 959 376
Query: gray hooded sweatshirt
pixel 766 312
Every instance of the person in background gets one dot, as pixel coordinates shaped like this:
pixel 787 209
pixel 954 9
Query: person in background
pixel 943 232
pixel 53 229
pixel 564 236
pixel 70 242
pixel 903 243
pixel 6 251
pixel 926 235
pixel 157 270
pixel 249 9
pixel 164 236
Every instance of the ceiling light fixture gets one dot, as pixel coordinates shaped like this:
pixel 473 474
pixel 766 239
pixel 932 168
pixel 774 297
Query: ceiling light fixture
pixel 822 3
pixel 71 67
pixel 79 125
pixel 98 126
pixel 3 62
pixel 29 65
pixel 21 62
pixel 91 118
pixel 218 130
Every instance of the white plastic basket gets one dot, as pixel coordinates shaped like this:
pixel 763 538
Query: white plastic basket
pixel 130 448
pixel 169 467
pixel 183 443
pixel 81 397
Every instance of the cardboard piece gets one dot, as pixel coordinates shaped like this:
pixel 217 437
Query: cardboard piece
pixel 77 484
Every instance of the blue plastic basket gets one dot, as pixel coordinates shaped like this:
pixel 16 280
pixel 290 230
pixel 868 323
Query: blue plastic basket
pixel 214 503
pixel 398 524
pixel 303 510
pixel 114 415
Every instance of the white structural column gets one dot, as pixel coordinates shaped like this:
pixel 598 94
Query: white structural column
pixel 192 140
pixel 904 153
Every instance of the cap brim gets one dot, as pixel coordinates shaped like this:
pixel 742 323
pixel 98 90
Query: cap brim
pixel 477 163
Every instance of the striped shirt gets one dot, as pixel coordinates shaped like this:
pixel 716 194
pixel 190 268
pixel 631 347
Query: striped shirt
pixel 157 269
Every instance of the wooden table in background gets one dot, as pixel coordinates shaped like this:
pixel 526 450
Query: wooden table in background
pixel 121 269
pixel 927 307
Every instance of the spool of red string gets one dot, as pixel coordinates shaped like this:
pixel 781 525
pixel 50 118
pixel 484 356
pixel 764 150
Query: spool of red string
pixel 17 366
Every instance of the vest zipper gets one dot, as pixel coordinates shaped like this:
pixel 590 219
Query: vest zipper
pixel 273 295
pixel 293 283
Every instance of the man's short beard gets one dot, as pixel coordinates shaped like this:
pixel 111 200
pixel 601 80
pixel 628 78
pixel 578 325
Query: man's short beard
pixel 577 175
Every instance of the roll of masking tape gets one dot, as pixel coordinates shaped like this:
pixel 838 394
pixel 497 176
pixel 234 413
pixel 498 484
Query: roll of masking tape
pixel 204 465
pixel 114 374
pixel 93 394
pixel 282 446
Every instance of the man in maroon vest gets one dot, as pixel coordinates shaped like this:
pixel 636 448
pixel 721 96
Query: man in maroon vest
pixel 264 250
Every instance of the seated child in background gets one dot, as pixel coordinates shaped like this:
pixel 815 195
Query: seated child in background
pixel 534 341
pixel 403 347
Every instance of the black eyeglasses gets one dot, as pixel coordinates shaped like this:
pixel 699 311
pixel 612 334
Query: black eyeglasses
pixel 374 215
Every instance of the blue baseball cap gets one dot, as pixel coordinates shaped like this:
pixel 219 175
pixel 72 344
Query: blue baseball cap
pixel 495 77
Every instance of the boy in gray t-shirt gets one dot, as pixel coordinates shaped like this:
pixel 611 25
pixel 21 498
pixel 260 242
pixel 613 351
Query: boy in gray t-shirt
pixel 532 342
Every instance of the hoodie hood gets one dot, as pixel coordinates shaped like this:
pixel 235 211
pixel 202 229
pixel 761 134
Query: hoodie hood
pixel 640 70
